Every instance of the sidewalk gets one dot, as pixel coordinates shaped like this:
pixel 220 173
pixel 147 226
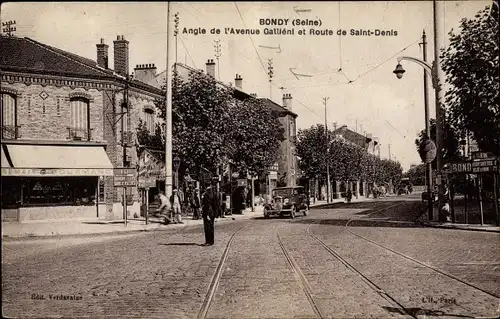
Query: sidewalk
pixel 99 226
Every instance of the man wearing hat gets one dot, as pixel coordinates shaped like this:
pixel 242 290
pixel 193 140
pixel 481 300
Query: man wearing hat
pixel 210 207
pixel 195 203
pixel 175 203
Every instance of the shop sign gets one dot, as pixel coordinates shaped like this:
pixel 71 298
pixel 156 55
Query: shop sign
pixel 60 172
pixel 146 183
pixel 273 175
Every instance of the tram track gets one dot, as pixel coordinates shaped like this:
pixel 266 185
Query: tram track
pixel 202 314
pixel 300 278
pixel 372 284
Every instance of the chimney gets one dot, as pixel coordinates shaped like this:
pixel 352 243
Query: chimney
pixel 238 82
pixel 253 95
pixel 211 68
pixel 102 54
pixel 121 55
pixel 145 73
pixel 287 101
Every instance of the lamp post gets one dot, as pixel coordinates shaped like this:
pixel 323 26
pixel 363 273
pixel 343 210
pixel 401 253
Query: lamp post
pixel 176 162
pixel 436 74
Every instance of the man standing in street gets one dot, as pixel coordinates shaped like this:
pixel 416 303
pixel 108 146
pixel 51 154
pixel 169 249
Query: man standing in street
pixel 210 207
pixel 175 202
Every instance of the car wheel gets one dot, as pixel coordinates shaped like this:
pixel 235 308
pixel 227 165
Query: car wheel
pixel 266 213
pixel 292 212
pixel 306 210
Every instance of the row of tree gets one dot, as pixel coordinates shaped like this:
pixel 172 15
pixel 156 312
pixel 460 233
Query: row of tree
pixel 347 161
pixel 210 128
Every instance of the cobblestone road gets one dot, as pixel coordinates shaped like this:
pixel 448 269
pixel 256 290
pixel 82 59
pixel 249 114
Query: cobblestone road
pixel 168 274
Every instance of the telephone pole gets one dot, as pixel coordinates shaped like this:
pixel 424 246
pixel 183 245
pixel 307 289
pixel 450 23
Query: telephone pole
pixel 270 73
pixel 8 27
pixel 168 112
pixel 217 56
pixel 327 138
pixel 176 33
pixel 389 145
pixel 427 128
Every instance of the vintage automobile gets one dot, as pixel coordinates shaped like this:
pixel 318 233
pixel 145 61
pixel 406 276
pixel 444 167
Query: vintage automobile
pixel 287 200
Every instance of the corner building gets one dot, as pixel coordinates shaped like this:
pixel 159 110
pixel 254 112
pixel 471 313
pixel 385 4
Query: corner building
pixel 65 127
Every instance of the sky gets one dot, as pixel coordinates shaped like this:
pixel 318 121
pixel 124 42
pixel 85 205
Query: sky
pixel 375 101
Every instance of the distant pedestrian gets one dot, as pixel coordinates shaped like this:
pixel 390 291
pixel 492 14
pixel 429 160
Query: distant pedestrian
pixel 223 205
pixel 175 202
pixel 349 195
pixel 164 209
pixel 210 206
pixel 195 203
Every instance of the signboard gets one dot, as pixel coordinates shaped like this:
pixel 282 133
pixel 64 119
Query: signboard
pixel 482 155
pixel 125 177
pixel 146 183
pixel 476 166
pixel 242 182
pixel 484 166
pixel 7 171
pixel 273 175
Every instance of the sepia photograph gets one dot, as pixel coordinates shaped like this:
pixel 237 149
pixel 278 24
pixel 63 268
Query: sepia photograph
pixel 275 159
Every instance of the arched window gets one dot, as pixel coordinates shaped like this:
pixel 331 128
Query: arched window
pixel 79 112
pixel 9 116
pixel 149 119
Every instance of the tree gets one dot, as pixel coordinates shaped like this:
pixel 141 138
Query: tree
pixel 450 137
pixel 471 66
pixel 417 174
pixel 210 127
pixel 311 150
pixel 255 136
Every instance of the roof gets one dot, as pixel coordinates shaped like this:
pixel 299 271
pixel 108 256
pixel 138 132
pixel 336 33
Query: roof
pixel 353 136
pixel 30 56
pixel 276 107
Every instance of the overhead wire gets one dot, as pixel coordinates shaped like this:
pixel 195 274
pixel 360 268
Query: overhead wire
pixel 253 44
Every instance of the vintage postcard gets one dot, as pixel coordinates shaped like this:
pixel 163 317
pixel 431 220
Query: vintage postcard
pixel 278 159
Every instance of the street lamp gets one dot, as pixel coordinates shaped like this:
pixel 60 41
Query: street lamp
pixel 432 72
pixel 176 163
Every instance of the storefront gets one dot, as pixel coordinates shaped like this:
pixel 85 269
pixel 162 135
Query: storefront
pixel 53 181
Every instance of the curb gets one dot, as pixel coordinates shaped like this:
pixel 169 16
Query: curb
pixel 115 233
pixel 458 227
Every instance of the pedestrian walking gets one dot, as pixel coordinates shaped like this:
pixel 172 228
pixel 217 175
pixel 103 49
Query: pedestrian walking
pixel 164 209
pixel 175 202
pixel 210 206
pixel 349 195
pixel 223 205
pixel 195 204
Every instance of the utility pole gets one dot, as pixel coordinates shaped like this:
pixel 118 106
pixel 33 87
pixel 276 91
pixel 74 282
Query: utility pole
pixel 8 27
pixel 217 56
pixel 327 138
pixel 439 94
pixel 389 145
pixel 168 112
pixel 270 73
pixel 427 129
pixel 176 33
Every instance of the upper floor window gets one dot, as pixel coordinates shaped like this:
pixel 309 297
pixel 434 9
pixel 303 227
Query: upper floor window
pixel 9 116
pixel 149 119
pixel 79 114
